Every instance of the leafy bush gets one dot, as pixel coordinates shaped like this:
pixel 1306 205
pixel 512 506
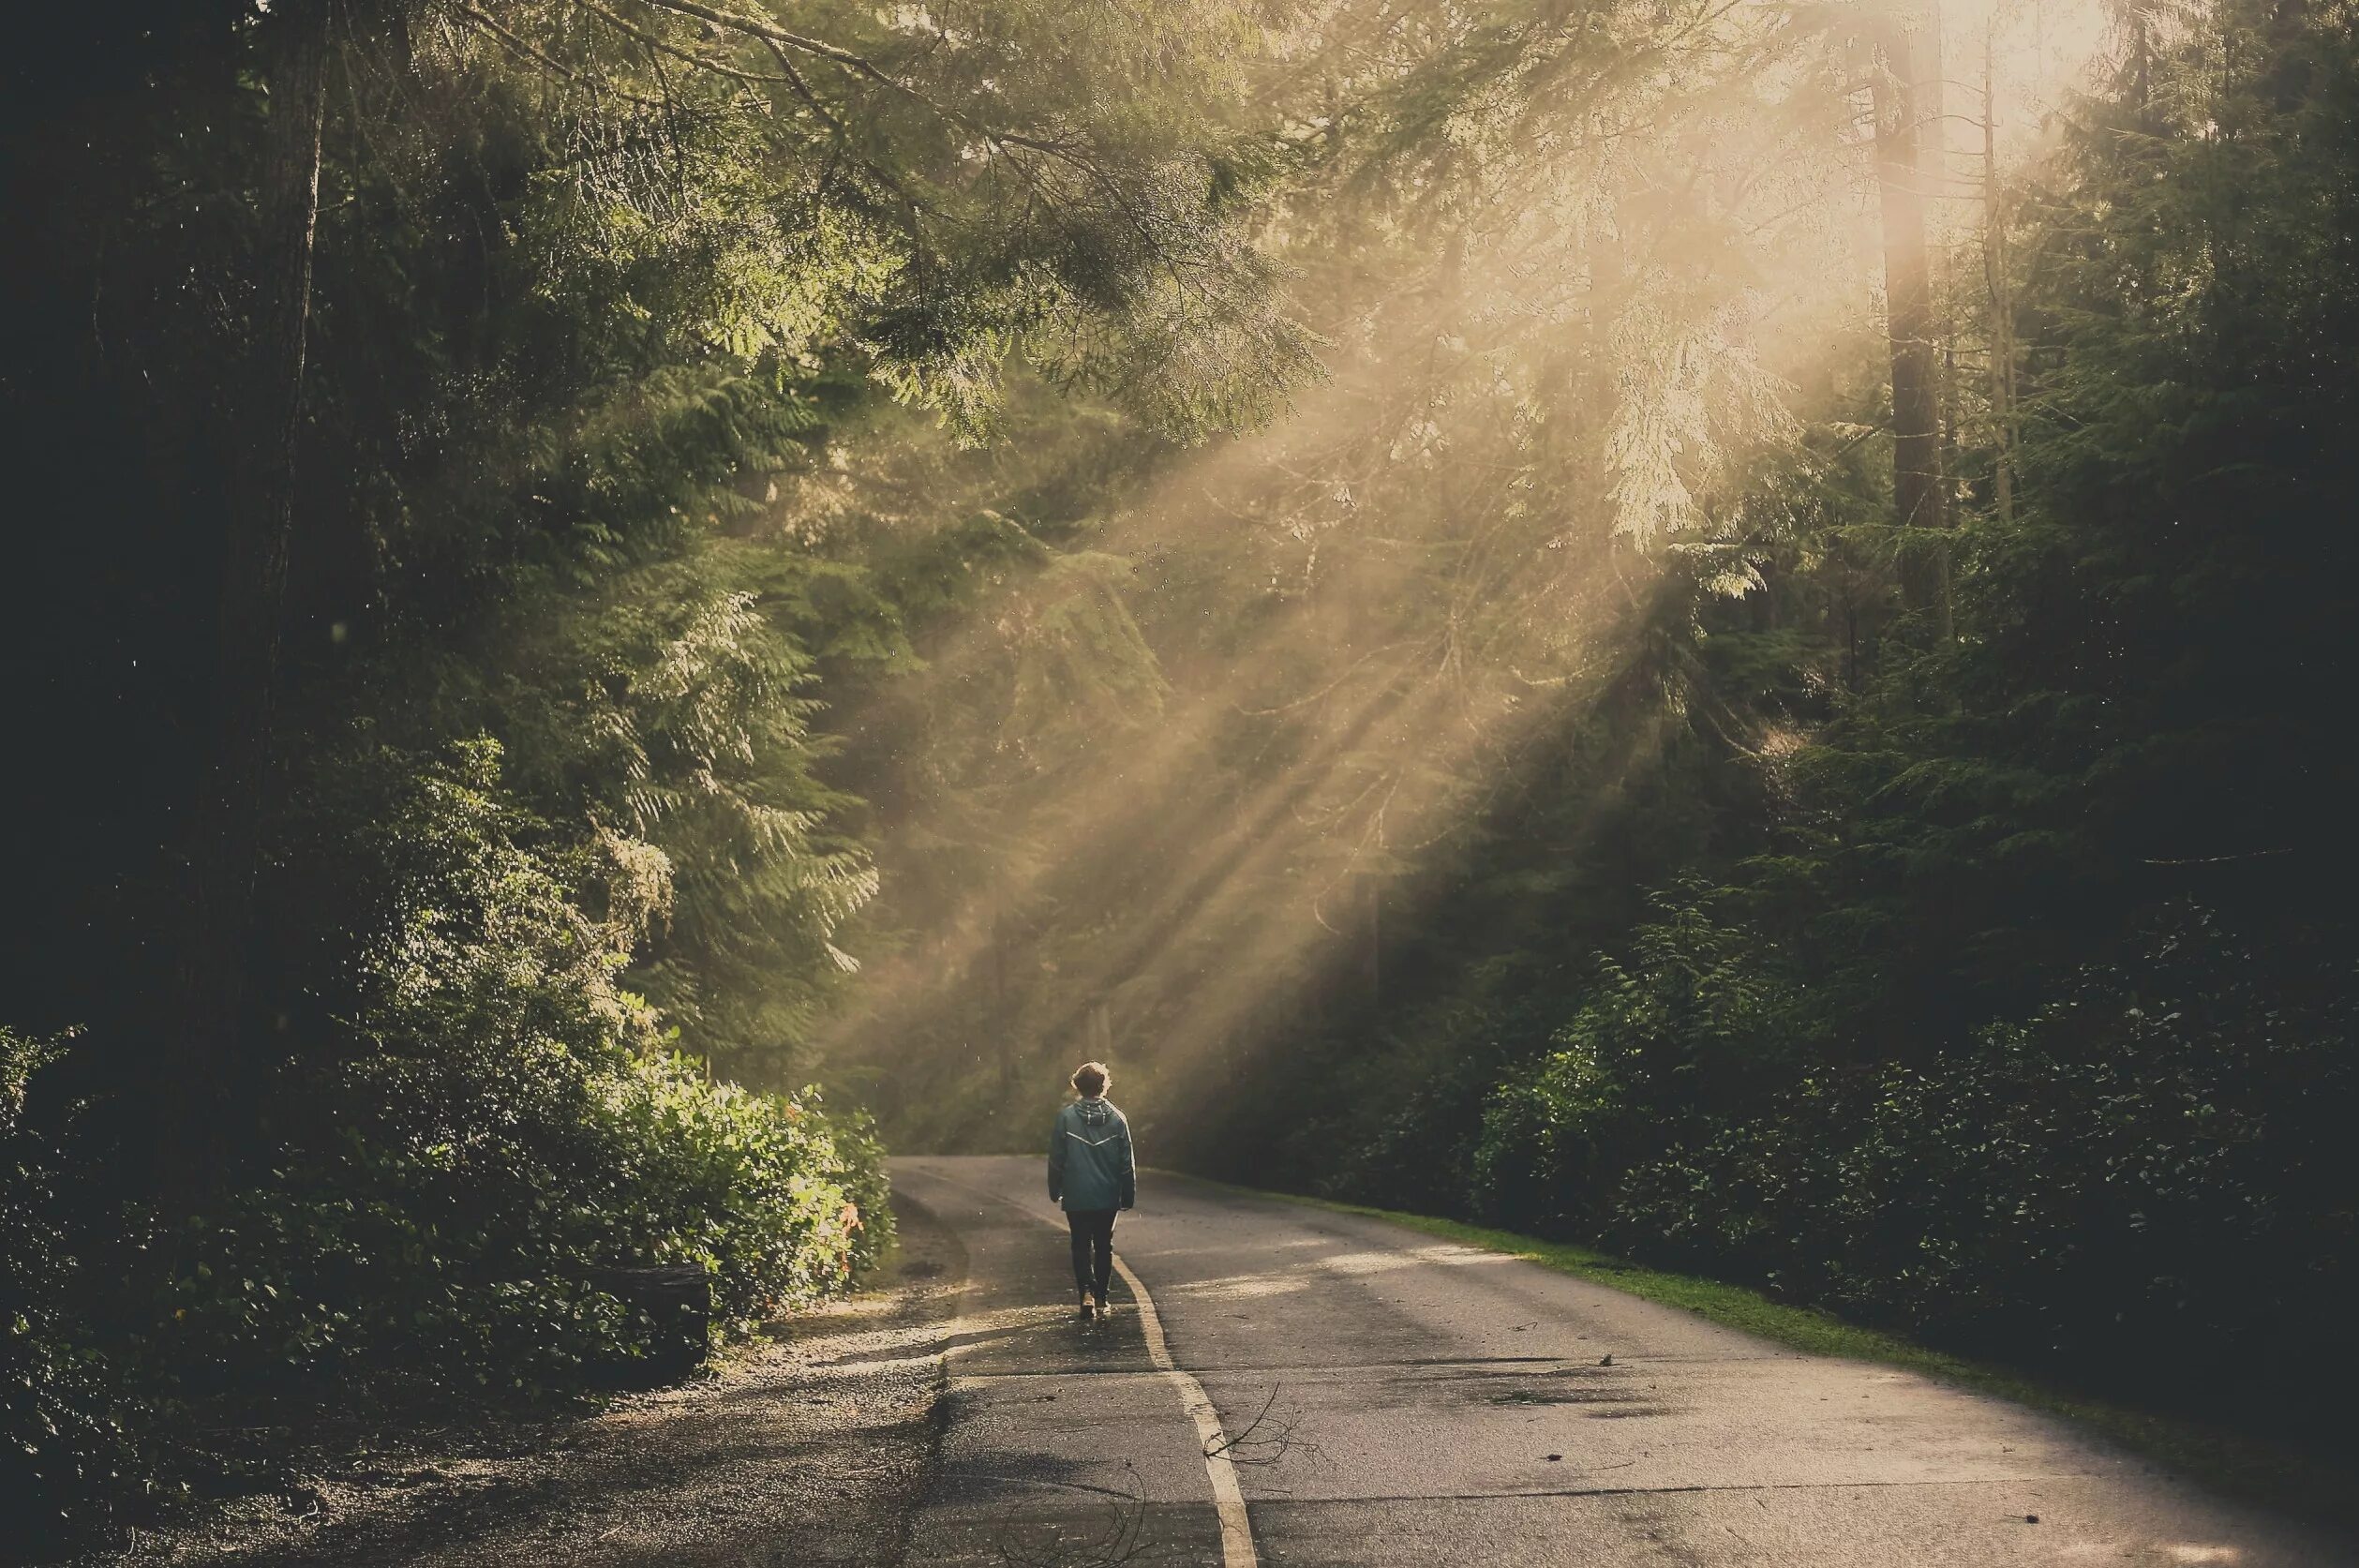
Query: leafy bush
pixel 503 1122
pixel 2158 1158
pixel 481 1127
pixel 61 1414
pixel 1692 1027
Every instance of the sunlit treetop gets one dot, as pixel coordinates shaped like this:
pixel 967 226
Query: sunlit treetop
pixel 943 185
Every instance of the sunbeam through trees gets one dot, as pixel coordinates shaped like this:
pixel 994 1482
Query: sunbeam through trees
pixel 1716 628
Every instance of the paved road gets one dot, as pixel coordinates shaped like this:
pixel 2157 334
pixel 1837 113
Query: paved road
pixel 1428 1404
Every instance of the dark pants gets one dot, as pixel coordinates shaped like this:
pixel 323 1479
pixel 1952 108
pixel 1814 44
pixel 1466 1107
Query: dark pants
pixel 1093 1248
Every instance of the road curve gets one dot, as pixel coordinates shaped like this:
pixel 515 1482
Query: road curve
pixel 1424 1403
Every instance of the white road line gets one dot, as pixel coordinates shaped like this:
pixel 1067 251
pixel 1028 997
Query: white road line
pixel 1236 1531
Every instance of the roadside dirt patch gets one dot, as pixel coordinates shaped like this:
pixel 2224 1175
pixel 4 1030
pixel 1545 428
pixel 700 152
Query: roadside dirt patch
pixel 805 1448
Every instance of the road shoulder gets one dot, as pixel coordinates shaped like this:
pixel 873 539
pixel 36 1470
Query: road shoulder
pixel 2303 1481
pixel 806 1446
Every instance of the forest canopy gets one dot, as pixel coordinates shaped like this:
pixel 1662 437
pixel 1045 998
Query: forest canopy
pixel 1713 627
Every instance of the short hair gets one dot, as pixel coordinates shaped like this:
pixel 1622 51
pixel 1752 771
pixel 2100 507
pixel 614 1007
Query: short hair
pixel 1090 1080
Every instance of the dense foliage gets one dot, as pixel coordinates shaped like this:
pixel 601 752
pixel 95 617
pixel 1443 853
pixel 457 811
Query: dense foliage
pixel 727 545
pixel 420 416
pixel 1538 796
pixel 2006 995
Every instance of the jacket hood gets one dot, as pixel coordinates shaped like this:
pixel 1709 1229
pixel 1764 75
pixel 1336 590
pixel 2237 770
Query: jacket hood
pixel 1096 1113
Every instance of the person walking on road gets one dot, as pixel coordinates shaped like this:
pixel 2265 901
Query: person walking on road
pixel 1093 1173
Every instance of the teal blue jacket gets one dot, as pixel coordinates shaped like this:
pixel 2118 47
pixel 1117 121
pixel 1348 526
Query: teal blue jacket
pixel 1090 1162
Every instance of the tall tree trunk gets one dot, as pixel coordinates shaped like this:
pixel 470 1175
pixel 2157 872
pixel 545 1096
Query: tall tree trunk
pixel 1917 487
pixel 1929 87
pixel 234 802
pixel 2002 300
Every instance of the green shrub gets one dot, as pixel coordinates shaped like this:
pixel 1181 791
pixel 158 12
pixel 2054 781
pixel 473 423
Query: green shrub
pixel 2158 1158
pixel 63 1415
pixel 478 1129
pixel 1693 1027
pixel 503 1123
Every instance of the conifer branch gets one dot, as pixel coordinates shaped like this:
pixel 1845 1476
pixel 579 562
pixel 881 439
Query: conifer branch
pixel 554 68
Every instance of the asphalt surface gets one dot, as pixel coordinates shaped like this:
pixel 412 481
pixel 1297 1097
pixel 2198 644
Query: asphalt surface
pixel 1384 1398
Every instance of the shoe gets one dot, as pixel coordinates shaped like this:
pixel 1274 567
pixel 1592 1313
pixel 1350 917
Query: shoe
pixel 1085 1312
pixel 1105 1308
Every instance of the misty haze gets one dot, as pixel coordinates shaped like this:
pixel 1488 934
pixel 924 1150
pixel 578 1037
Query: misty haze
pixel 1181 782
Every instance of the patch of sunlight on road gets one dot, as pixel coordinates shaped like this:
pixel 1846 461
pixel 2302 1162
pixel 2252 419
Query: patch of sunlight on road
pixel 922 1340
pixel 1357 1264
pixel 1387 1262
pixel 1458 1257
pixel 1240 1287
pixel 2166 1551
pixel 1298 1276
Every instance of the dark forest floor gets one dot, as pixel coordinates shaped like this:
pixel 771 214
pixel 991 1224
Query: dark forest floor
pixel 806 1446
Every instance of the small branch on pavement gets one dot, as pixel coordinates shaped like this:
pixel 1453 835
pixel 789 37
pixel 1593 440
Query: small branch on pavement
pixel 1049 1546
pixel 1265 1439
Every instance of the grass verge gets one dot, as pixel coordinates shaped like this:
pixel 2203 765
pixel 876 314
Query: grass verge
pixel 2284 1475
